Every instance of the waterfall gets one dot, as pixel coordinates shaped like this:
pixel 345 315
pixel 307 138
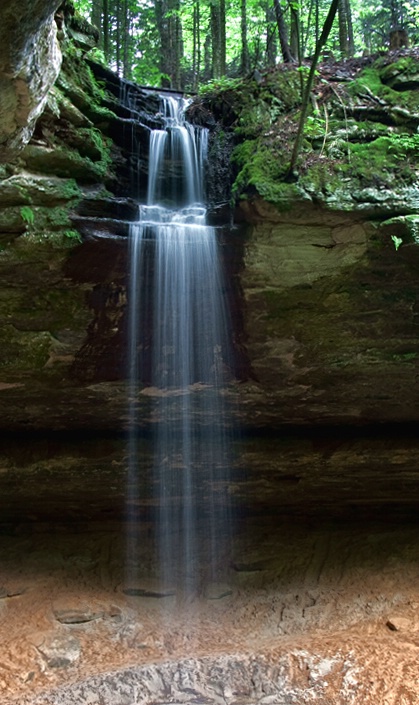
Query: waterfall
pixel 178 341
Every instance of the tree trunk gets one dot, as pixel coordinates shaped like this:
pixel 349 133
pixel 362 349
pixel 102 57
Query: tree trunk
pixel 126 63
pixel 244 68
pixel 207 57
pixel 307 29
pixel 215 40
pixel 118 37
pixel 351 40
pixel 159 12
pixel 177 45
pixel 306 97
pixel 218 38
pixel 296 43
pixel 343 29
pixel 271 43
pixel 223 38
pixel 282 32
pixel 198 42
pixel 106 29
pixel 195 45
pixel 295 35
pixel 317 22
pixel 96 18
pixel 168 25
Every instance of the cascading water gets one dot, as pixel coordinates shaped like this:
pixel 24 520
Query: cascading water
pixel 178 331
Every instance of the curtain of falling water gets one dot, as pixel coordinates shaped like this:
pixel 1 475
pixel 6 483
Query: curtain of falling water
pixel 176 274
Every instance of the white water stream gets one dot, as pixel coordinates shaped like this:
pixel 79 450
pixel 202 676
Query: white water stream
pixel 176 289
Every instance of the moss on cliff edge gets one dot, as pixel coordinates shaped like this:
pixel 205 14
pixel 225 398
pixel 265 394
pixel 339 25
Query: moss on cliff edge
pixel 360 137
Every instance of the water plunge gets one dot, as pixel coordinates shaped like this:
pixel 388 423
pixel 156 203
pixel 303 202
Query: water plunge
pixel 178 340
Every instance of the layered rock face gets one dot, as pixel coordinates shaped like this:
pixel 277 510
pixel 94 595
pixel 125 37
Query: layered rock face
pixel 322 278
pixel 321 580
pixel 332 317
pixel 30 59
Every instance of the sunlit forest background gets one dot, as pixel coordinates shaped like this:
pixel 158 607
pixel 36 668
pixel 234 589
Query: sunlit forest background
pixel 187 43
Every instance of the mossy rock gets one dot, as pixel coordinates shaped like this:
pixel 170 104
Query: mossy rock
pixel 23 351
pixel 32 189
pixel 64 163
pixel 85 101
pixel 36 220
pixel 90 143
pixel 251 107
pixel 388 105
pixel 383 158
pixel 403 230
pixel 46 309
pixel 260 171
pixel 61 107
pixel 11 220
pixel 402 74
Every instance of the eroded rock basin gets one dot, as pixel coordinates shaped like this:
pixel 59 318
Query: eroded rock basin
pixel 315 601
pixel 308 611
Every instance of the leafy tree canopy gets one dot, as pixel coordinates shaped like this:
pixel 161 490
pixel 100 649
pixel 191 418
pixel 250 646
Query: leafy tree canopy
pixel 187 43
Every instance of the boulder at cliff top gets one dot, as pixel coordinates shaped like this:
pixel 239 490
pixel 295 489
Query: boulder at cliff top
pixel 30 60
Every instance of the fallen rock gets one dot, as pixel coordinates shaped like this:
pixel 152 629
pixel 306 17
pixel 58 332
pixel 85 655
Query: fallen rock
pixel 149 588
pixel 216 591
pixel 399 624
pixel 76 615
pixel 60 650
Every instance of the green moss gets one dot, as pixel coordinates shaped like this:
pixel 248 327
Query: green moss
pixel 375 81
pixel 259 170
pixel 380 160
pixel 23 350
pixel 77 75
pixel 284 85
pixel 368 79
pixel 406 66
pixel 83 91
pixel 66 163
pixel 11 221
pixel 405 357
pixel 250 107
pixel 57 239
pixel 94 145
pixel 403 227
pixel 28 190
pixel 321 179
pixel 49 310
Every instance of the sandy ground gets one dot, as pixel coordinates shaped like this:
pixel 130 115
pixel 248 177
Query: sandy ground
pixel 334 608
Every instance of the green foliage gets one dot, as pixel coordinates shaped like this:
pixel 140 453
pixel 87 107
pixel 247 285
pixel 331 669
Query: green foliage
pixel 397 241
pixel 73 235
pixel 27 215
pixel 315 126
pixel 134 47
pixel 378 161
pixel 84 7
pixel 341 155
pixel 97 55
pixel 218 85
